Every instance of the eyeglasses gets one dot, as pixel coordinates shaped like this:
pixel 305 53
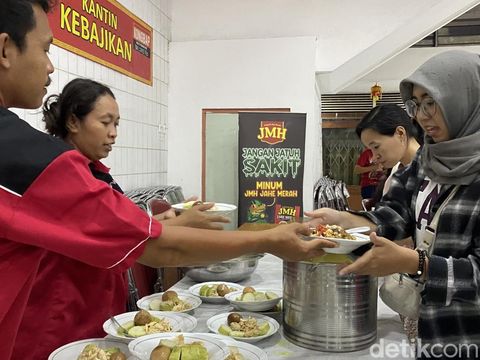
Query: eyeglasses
pixel 428 106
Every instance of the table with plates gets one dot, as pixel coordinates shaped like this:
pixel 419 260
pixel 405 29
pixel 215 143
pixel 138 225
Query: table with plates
pixel 390 334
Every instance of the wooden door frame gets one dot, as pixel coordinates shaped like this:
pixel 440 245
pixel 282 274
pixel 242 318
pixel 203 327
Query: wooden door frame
pixel 345 120
pixel 225 111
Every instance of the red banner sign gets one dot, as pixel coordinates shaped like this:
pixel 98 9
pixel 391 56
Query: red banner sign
pixel 105 32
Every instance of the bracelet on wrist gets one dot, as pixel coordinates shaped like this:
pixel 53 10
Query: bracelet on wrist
pixel 422 256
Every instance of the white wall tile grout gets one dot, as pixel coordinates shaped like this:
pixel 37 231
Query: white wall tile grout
pixel 139 155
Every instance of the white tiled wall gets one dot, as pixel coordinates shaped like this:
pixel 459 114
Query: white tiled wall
pixel 139 157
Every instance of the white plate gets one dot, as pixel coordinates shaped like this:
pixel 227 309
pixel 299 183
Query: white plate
pixel 220 208
pixel 345 246
pixel 178 322
pixel 248 351
pixel 254 305
pixel 194 301
pixel 142 347
pixel 195 290
pixel 74 349
pixel 188 321
pixel 221 319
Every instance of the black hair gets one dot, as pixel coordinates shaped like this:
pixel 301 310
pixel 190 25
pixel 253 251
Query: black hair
pixel 418 132
pixel 17 18
pixel 77 98
pixel 385 119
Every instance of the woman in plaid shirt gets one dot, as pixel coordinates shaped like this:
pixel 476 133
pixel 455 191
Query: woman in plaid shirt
pixel 444 96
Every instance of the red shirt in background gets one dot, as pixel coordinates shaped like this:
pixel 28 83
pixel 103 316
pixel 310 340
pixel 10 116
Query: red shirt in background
pixel 369 178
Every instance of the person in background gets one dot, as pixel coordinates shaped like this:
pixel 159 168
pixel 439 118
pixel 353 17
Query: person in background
pixel 86 115
pixel 389 133
pixel 370 173
pixel 443 95
pixel 394 139
pixel 51 206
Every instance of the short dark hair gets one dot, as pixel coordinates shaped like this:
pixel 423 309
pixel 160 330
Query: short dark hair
pixel 385 119
pixel 17 18
pixel 77 98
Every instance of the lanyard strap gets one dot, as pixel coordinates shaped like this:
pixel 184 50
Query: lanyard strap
pixel 428 238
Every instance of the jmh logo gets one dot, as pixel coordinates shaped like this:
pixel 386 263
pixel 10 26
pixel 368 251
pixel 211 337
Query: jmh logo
pixel 272 132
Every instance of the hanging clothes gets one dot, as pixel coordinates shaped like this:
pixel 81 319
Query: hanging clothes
pixel 330 193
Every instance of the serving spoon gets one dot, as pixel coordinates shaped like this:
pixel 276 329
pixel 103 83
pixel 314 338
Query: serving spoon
pixel 120 327
pixel 361 229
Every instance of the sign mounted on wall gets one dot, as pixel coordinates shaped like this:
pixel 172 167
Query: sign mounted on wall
pixel 106 32
pixel 271 152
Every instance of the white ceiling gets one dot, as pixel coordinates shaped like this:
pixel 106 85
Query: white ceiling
pixel 342 27
pixel 353 37
pixel 401 66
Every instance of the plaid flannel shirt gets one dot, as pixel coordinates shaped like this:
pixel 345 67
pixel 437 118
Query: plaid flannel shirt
pixel 449 320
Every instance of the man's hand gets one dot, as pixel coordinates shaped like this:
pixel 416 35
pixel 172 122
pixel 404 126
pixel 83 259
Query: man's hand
pixel 198 217
pixel 288 245
pixel 324 216
pixel 384 258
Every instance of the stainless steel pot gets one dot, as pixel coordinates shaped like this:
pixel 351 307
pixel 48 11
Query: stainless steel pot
pixel 325 311
pixel 231 270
